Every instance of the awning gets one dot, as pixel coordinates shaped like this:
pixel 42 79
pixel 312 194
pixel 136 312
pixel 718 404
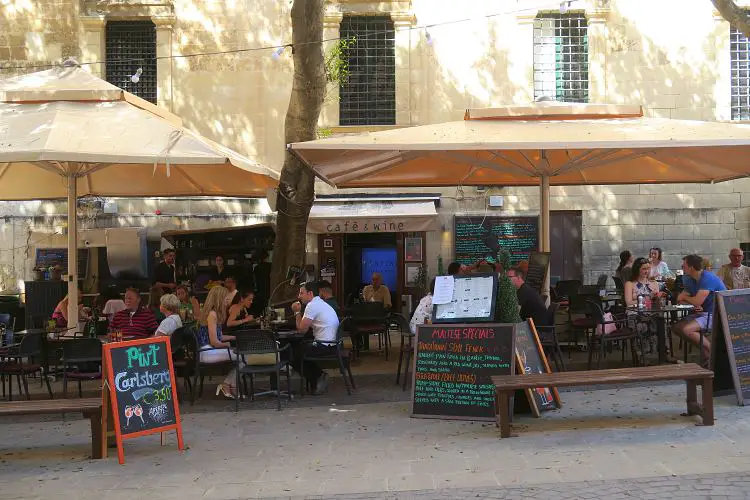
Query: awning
pixel 372 216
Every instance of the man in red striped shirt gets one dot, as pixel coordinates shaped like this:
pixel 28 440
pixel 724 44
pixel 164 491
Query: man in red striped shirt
pixel 134 321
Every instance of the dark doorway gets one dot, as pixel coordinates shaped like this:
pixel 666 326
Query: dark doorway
pixel 566 242
pixel 364 252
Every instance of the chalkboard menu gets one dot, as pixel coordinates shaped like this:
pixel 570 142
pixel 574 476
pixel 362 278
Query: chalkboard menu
pixel 537 271
pixel 473 300
pixel 531 359
pixel 452 369
pixel 475 236
pixel 730 343
pixel 139 376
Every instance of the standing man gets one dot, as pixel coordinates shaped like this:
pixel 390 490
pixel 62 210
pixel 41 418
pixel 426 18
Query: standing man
pixel 165 274
pixel 324 322
pixel 532 305
pixel 735 275
pixel 377 291
pixel 700 291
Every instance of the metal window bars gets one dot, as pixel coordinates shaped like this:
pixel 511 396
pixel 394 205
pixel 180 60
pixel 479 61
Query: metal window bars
pixel 369 95
pixel 739 49
pixel 131 45
pixel 561 57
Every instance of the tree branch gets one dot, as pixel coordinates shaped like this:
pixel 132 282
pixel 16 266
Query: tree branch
pixel 736 15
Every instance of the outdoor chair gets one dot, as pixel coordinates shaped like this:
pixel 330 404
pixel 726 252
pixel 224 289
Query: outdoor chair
pixel 406 348
pixel 369 318
pixel 566 288
pixel 619 285
pixel 261 344
pixel 185 358
pixel 17 360
pixel 203 369
pixel 622 333
pixel 340 356
pixel 78 359
pixel 583 323
pixel 601 282
pixel 548 338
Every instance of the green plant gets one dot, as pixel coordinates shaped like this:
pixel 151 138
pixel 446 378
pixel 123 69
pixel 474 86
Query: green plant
pixel 337 61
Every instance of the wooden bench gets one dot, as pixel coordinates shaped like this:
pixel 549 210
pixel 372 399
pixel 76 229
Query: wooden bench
pixel 692 374
pixel 90 407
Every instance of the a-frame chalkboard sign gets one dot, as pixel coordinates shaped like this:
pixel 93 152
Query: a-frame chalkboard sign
pixel 530 358
pixel 138 391
pixel 730 343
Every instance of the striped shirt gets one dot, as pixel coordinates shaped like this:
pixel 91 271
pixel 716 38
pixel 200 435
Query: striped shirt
pixel 140 323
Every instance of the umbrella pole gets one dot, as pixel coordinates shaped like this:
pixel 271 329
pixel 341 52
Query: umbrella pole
pixel 544 228
pixel 72 254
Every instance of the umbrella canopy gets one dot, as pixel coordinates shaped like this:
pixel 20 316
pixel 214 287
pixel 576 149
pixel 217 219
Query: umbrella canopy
pixel 543 144
pixel 517 146
pixel 66 133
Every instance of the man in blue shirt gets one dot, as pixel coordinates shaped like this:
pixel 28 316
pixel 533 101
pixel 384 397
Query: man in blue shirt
pixel 700 291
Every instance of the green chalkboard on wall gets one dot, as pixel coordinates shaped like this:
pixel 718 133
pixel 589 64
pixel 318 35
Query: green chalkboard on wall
pixel 474 237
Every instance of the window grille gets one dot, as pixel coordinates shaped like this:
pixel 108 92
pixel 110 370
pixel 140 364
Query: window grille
pixel 739 48
pixel 369 95
pixel 131 45
pixel 561 57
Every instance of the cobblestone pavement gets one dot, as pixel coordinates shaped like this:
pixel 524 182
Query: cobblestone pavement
pixel 611 436
pixel 692 487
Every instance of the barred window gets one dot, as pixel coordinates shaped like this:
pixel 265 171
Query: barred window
pixel 369 95
pixel 739 48
pixel 561 57
pixel 131 45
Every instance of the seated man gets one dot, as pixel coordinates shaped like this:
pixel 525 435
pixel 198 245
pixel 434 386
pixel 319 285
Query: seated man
pixel 134 321
pixel 532 305
pixel 377 291
pixel 326 293
pixel 700 291
pixel 324 322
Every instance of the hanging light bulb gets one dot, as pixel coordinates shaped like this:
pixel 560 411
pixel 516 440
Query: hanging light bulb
pixel 564 6
pixel 136 77
pixel 428 37
pixel 276 55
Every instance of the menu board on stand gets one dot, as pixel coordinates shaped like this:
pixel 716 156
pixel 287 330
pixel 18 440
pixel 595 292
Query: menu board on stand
pixel 452 368
pixel 138 391
pixel 730 343
pixel 538 269
pixel 530 358
pixel 473 235
pixel 470 299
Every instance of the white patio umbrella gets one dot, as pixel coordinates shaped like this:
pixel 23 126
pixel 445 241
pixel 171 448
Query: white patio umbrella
pixel 66 133
pixel 540 144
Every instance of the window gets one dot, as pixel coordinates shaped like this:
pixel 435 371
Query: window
pixel 369 96
pixel 561 57
pixel 131 45
pixel 739 48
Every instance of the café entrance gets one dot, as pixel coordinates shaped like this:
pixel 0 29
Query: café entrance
pixel 360 236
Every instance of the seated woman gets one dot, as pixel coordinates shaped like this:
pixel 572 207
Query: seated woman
pixel 170 307
pixel 423 312
pixel 214 347
pixel 154 302
pixel 188 303
pixel 60 314
pixel 640 285
pixel 238 312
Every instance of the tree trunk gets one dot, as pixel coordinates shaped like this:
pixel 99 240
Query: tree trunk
pixel 737 16
pixel 297 185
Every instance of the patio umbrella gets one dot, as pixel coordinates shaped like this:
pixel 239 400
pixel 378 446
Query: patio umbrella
pixel 540 144
pixel 66 133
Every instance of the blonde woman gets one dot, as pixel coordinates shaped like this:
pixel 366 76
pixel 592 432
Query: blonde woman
pixel 215 347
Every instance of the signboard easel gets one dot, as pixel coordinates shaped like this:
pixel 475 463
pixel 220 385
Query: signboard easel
pixel 138 391
pixel 530 358
pixel 730 343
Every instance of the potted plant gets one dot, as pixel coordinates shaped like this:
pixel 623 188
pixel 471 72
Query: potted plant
pixel 38 274
pixel 55 273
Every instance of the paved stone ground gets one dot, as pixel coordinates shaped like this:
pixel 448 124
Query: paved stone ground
pixel 611 435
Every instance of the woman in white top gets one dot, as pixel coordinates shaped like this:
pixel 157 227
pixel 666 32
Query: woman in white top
pixel 169 305
pixel 659 268
pixel 423 311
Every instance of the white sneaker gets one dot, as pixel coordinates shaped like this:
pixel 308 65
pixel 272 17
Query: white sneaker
pixel 322 385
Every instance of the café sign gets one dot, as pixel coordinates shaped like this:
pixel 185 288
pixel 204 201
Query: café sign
pixel 371 217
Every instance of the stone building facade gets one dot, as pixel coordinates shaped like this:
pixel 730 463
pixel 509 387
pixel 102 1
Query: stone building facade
pixel 674 57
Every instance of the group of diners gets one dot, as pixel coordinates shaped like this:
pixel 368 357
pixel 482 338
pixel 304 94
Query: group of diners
pixel 699 287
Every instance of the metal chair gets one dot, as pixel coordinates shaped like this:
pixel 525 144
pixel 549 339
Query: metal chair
pixel 577 305
pixel 619 285
pixel 185 357
pixel 17 361
pixel 406 348
pixel 78 355
pixel 623 333
pixel 566 288
pixel 601 282
pixel 548 337
pixel 260 342
pixel 369 318
pixel 339 355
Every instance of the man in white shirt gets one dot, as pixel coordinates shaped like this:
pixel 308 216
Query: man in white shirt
pixel 324 322
pixel 735 275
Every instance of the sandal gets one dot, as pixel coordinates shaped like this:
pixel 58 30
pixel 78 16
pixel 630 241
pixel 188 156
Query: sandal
pixel 225 391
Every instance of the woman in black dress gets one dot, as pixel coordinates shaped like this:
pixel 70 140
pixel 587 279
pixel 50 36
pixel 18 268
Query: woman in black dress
pixel 238 315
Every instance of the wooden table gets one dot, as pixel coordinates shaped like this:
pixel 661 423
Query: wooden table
pixel 691 373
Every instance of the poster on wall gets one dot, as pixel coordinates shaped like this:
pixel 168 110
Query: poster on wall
pixel 412 275
pixel 413 249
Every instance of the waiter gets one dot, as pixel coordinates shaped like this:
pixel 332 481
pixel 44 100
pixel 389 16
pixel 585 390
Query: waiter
pixel 165 275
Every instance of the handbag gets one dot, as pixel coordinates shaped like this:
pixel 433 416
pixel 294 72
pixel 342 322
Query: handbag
pixel 608 327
